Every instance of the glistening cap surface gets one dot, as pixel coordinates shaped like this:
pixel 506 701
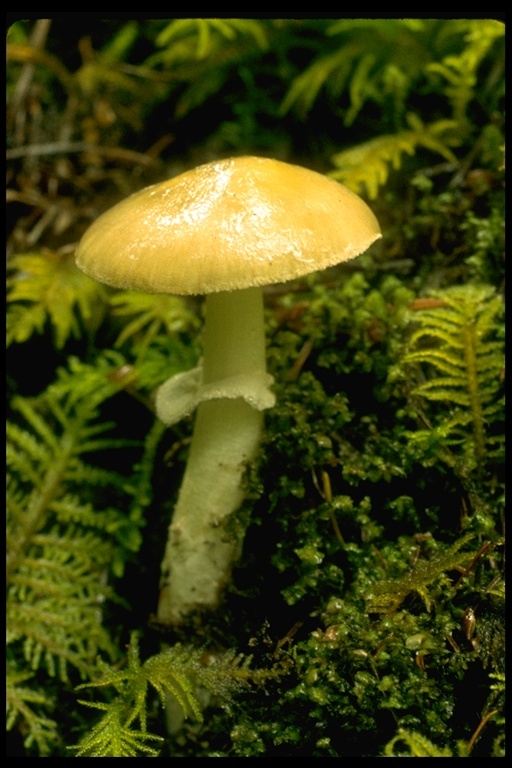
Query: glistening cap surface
pixel 226 225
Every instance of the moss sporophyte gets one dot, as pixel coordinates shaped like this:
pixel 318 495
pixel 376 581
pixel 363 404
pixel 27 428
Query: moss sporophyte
pixel 223 229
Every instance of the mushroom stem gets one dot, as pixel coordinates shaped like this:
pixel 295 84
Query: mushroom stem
pixel 205 537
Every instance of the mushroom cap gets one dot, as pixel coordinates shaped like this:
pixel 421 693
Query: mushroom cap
pixel 226 225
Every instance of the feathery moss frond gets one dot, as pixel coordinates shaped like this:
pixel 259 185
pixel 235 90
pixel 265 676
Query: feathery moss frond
pixel 174 672
pixel 305 88
pixel 460 71
pixel 368 62
pixel 82 385
pixel 459 346
pixel 416 746
pixel 382 61
pixel 203 37
pixel 28 703
pixel 387 595
pixel 49 287
pixel 113 735
pixel 151 314
pixel 368 165
pixel 62 541
pixel 201 52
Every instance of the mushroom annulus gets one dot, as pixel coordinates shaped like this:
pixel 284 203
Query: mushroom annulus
pixel 223 229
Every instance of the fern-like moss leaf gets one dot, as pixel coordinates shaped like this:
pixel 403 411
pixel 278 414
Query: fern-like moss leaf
pixel 174 674
pixel 49 287
pixel 414 744
pixel 459 347
pixel 63 543
pixel 366 167
pixel 28 703
pixel 113 735
pixel 387 595
pixel 149 315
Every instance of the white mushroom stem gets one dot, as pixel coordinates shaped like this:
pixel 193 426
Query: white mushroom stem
pixel 205 536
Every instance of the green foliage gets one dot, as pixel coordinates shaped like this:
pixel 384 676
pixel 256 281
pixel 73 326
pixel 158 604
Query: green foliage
pixel 460 70
pixel 488 235
pixel 49 288
pixel 203 37
pixel 260 75
pixel 359 671
pixel 62 541
pixel 151 315
pixel 342 543
pixel 113 736
pixel 201 52
pixel 26 703
pixel 174 674
pixel 367 61
pixel 415 744
pixel 459 346
pixel 366 167
pixel 382 59
pixel 387 595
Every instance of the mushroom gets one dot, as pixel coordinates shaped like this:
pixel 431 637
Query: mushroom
pixel 224 229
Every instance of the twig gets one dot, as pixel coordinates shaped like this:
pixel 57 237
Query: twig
pixel 478 555
pixel 68 147
pixel 37 41
pixel 480 728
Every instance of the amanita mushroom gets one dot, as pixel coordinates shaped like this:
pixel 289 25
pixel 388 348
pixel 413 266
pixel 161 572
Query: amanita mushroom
pixel 224 229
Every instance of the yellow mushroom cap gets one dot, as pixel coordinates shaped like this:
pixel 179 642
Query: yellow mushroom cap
pixel 225 225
